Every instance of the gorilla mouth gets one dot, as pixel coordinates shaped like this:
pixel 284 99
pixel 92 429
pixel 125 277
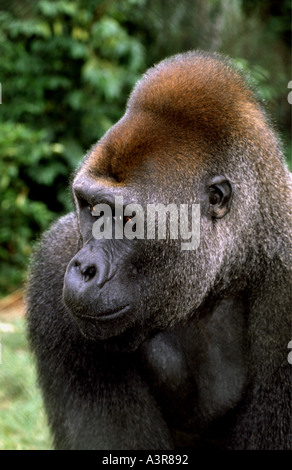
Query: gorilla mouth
pixel 110 315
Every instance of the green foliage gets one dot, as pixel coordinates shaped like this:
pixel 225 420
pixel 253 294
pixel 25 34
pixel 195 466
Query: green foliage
pixel 29 163
pixel 23 424
pixel 258 77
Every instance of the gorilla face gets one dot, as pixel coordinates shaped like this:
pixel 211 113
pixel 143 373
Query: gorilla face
pixel 129 284
pixel 115 285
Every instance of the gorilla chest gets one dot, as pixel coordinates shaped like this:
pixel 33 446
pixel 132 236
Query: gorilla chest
pixel 169 379
pixel 197 373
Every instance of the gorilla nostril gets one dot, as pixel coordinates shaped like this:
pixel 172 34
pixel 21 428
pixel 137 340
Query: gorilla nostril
pixel 88 273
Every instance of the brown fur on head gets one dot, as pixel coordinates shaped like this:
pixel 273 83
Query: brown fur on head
pixel 197 89
pixel 190 106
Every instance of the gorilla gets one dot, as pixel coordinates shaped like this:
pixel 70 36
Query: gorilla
pixel 139 342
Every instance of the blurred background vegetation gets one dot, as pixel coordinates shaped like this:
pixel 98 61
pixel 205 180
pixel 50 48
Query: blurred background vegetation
pixel 66 70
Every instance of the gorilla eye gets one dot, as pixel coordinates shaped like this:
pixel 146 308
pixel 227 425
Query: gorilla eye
pixel 92 211
pixel 118 219
pixel 125 219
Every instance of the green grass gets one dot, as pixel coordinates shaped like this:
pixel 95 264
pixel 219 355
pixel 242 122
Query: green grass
pixel 22 421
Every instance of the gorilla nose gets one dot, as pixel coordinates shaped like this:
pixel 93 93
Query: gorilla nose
pixel 84 271
pixel 87 272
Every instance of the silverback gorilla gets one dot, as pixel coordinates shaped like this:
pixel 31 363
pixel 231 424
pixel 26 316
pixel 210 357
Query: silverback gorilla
pixel 141 344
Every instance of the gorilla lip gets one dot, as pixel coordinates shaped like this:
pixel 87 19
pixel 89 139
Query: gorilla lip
pixel 111 315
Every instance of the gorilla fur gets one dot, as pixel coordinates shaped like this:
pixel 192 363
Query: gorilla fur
pixel 140 345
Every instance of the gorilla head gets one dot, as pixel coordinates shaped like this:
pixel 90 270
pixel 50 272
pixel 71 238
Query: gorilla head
pixel 184 139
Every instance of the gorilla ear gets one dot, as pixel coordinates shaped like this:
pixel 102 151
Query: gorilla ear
pixel 220 196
